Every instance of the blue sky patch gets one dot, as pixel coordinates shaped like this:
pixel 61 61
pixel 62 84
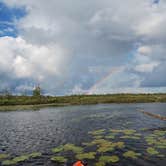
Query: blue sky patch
pixel 7 18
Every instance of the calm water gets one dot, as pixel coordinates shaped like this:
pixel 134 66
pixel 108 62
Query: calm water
pixel 24 132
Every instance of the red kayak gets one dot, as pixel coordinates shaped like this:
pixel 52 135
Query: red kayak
pixel 79 163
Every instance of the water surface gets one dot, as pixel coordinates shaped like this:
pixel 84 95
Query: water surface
pixel 24 132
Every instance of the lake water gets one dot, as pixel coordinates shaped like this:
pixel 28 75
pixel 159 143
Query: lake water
pixel 25 132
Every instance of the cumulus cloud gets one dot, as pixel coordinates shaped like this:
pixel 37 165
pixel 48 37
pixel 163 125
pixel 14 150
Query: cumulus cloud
pixel 60 43
pixel 22 60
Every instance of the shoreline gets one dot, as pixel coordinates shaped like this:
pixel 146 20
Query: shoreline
pixel 40 106
pixel 13 103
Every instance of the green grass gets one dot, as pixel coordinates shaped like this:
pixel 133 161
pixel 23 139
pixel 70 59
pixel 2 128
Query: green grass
pixel 32 102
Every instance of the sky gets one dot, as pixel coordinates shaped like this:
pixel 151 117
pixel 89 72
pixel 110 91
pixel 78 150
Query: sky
pixel 83 47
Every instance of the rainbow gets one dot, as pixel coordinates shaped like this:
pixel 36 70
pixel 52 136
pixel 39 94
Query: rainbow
pixel 103 79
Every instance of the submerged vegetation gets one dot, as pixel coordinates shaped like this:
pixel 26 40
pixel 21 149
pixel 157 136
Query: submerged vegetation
pixel 11 102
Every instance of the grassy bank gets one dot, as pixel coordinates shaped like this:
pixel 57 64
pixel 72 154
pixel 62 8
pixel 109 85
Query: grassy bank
pixel 23 102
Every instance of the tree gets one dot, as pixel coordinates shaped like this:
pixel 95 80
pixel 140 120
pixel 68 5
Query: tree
pixel 37 91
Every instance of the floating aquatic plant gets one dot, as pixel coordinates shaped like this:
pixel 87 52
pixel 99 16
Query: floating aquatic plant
pixel 57 149
pixel 119 145
pixel 3 156
pixel 150 140
pixel 131 154
pixel 103 149
pixel 109 159
pixel 116 131
pixel 100 163
pixel 152 151
pixel 97 132
pixel 21 158
pixel 104 145
pixel 35 155
pixel 73 148
pixel 129 132
pixel 129 137
pixel 16 160
pixel 59 159
pixel 110 136
pixel 8 162
pixel 159 132
pixel 100 142
pixel 157 139
pixel 89 155
pixel 88 143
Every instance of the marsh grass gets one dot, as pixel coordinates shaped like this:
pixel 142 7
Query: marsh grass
pixel 36 102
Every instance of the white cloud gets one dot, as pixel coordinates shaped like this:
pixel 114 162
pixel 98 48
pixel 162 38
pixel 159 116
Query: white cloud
pixel 144 50
pixel 24 60
pixel 60 41
pixel 146 67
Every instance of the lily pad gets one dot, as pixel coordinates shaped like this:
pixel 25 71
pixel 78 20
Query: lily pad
pixel 88 143
pixel 89 155
pixel 159 132
pixel 59 159
pixel 131 154
pixel 73 148
pixel 103 149
pixel 109 159
pixel 21 158
pixel 8 162
pixel 35 154
pixel 103 145
pixel 150 140
pixel 129 132
pixel 119 145
pixel 130 137
pixel 97 132
pixel 3 156
pixel 116 131
pixel 57 149
pixel 110 136
pixel 152 151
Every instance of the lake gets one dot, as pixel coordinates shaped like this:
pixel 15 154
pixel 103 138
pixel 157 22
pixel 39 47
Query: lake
pixel 104 134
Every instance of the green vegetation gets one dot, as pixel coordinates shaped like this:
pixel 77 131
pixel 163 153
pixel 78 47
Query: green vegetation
pixel 89 155
pixel 7 101
pixel 3 156
pixel 103 150
pixel 109 159
pixel 35 155
pixel 57 149
pixel 73 148
pixel 16 160
pixel 152 151
pixel 131 154
pixel 59 159
pixel 21 158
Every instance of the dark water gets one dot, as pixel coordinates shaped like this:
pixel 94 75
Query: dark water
pixel 24 132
